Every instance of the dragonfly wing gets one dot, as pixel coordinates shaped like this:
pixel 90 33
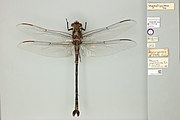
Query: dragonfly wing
pixel 42 33
pixel 104 48
pixel 110 31
pixel 51 49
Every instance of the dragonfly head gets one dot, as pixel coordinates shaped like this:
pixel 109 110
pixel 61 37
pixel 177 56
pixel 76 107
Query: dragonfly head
pixel 76 25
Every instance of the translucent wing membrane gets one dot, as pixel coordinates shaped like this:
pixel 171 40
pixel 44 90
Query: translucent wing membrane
pixel 104 48
pixel 43 34
pixel 110 31
pixel 51 49
pixel 94 43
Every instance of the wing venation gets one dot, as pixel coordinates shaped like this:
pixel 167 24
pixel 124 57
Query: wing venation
pixel 104 48
pixel 51 49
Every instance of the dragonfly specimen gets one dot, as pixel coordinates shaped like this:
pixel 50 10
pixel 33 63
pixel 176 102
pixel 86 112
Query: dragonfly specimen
pixel 97 42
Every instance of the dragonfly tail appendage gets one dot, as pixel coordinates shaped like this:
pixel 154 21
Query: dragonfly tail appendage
pixel 76 112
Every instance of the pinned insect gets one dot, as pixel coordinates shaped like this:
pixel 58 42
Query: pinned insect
pixel 93 43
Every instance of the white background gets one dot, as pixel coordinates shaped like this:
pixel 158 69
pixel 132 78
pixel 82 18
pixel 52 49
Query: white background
pixel 35 87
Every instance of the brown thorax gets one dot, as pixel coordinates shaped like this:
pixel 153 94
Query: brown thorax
pixel 76 33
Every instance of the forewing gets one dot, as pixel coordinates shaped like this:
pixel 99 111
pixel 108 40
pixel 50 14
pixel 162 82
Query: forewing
pixel 43 34
pixel 104 48
pixel 110 31
pixel 51 49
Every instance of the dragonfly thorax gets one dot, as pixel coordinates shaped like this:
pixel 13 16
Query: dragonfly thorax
pixel 76 42
pixel 76 33
pixel 76 26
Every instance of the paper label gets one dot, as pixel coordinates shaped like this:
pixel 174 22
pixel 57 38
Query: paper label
pixel 151 45
pixel 160 6
pixel 158 52
pixel 153 22
pixel 152 39
pixel 155 72
pixel 157 62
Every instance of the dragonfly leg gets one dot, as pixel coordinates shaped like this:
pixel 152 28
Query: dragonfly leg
pixel 84 26
pixel 68 25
